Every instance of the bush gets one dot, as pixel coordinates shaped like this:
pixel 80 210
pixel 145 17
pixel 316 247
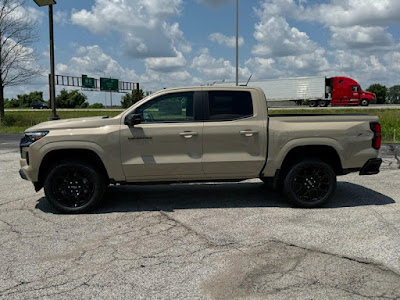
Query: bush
pixel 96 105
pixel 8 120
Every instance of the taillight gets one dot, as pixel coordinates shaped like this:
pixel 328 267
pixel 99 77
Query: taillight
pixel 377 140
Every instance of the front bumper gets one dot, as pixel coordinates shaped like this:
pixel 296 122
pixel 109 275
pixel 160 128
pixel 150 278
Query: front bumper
pixel 371 167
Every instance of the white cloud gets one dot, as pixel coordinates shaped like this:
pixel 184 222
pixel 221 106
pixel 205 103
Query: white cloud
pixel 276 38
pixel 306 64
pixel 31 14
pixel 339 13
pixel 217 69
pixel 392 59
pixel 92 61
pixel 142 24
pixel 363 38
pixel 361 45
pixel 166 64
pixel 228 41
pixel 61 17
pixel 153 80
pixel 344 13
pixel 264 68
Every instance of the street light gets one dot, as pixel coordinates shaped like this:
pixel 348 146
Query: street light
pixel 52 85
pixel 237 42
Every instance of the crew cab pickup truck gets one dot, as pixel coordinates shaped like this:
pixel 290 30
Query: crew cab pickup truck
pixel 194 135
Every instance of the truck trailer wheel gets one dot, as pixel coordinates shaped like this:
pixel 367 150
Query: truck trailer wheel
pixel 310 183
pixel 74 186
pixel 364 102
pixel 313 103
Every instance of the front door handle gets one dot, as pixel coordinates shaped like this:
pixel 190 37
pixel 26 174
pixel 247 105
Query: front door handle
pixel 248 133
pixel 188 134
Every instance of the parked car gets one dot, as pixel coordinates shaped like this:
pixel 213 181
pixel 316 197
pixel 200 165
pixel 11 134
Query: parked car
pixel 39 105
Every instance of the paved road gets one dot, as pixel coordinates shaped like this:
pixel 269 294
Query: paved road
pixel 202 241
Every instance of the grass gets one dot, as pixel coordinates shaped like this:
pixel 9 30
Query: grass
pixel 18 121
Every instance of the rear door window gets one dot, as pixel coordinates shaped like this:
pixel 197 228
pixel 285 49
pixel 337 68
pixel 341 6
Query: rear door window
pixel 229 105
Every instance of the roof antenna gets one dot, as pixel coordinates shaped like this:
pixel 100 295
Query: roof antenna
pixel 248 80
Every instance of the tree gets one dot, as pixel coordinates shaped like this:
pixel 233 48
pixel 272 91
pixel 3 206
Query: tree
pixel 393 95
pixel 130 99
pixel 25 100
pixel 380 91
pixel 17 57
pixel 72 99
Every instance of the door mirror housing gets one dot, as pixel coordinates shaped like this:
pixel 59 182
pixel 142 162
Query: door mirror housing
pixel 133 119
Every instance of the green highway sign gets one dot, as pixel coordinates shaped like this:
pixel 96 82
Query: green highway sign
pixel 108 84
pixel 88 82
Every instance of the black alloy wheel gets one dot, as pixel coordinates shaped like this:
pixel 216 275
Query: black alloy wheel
pixel 310 183
pixel 74 187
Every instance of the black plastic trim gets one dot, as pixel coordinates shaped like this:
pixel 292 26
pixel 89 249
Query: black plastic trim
pixel 371 167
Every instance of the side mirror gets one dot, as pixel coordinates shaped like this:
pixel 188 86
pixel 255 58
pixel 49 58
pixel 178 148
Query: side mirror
pixel 133 119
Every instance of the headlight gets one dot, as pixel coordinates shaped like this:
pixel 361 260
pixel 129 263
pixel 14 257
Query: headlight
pixel 35 136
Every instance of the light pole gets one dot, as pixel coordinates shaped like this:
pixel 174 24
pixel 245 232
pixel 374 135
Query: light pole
pixel 52 84
pixel 237 42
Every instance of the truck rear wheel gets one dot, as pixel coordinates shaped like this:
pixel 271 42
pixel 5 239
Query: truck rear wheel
pixel 310 183
pixel 74 186
pixel 323 103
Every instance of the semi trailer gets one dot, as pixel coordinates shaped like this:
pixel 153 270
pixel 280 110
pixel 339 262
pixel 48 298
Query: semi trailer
pixel 317 90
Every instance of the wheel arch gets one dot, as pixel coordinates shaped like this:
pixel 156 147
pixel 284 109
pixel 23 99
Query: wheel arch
pixel 325 153
pixel 55 156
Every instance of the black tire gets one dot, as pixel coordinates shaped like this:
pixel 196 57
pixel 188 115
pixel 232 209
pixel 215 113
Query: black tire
pixel 310 183
pixel 322 103
pixel 74 186
pixel 313 103
pixel 364 102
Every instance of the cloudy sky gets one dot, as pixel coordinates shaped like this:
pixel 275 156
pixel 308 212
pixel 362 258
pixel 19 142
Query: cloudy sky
pixel 169 43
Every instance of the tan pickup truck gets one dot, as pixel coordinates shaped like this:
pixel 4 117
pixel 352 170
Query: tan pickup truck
pixel 198 134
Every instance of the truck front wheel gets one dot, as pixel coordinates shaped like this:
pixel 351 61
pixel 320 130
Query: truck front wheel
pixel 310 183
pixel 74 186
pixel 364 102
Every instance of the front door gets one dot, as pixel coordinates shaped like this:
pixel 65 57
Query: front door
pixel 167 145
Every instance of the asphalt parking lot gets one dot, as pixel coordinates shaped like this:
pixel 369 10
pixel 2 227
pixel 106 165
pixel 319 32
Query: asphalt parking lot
pixel 202 241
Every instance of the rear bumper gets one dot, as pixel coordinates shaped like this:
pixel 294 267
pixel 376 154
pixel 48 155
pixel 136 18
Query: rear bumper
pixel 371 167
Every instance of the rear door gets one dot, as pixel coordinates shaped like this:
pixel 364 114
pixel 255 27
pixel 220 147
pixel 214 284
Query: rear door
pixel 234 139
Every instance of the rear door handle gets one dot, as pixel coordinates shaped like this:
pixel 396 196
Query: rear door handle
pixel 188 134
pixel 248 133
